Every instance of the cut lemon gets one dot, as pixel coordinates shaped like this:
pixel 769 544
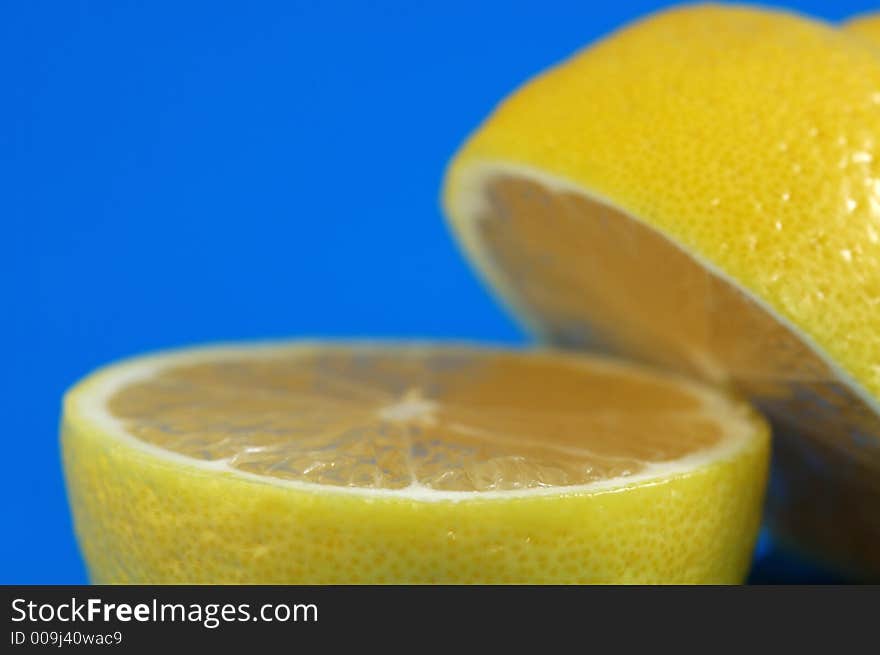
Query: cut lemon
pixel 701 190
pixel 357 463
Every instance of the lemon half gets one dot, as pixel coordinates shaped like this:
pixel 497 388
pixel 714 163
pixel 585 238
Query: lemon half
pixel 375 463
pixel 701 190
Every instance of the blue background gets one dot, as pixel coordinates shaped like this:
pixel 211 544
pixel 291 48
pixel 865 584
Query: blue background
pixel 175 172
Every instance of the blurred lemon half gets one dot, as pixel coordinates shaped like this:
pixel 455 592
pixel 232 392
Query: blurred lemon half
pixel 701 190
pixel 372 463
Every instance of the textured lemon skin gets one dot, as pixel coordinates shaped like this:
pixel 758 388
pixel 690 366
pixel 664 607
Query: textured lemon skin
pixel 747 136
pixel 866 25
pixel 140 518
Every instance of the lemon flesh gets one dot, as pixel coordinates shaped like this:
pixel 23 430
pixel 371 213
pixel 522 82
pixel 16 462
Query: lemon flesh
pixel 701 190
pixel 368 463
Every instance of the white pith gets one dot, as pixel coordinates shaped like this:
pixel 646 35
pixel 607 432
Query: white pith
pixel 85 408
